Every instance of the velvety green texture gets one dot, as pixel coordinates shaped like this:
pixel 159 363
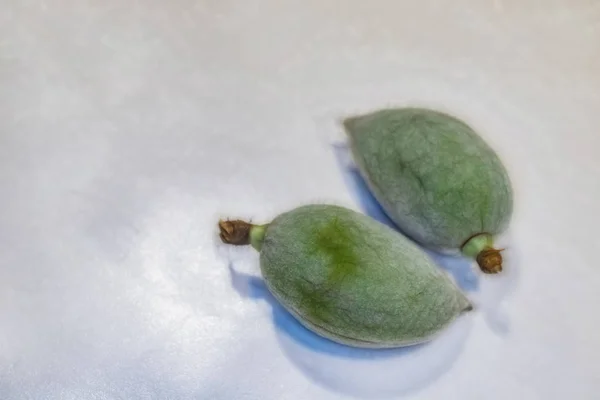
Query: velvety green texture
pixel 354 280
pixel 434 175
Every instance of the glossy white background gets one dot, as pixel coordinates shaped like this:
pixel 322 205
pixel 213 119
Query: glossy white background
pixel 127 128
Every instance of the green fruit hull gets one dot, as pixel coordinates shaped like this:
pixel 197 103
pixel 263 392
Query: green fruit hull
pixel 434 175
pixel 356 281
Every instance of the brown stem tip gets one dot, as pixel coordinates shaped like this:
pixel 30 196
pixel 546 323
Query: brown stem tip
pixel 490 260
pixel 235 232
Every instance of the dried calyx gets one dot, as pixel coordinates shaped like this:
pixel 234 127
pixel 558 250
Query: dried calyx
pixel 480 247
pixel 242 233
pixel 490 260
pixel 235 232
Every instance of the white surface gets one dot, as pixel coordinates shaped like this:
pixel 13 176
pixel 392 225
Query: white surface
pixel 128 128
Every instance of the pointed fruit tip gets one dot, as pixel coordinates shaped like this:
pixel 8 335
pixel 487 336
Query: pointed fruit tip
pixel 349 123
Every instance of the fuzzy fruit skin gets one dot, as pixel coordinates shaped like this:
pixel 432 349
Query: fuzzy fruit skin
pixel 434 175
pixel 354 280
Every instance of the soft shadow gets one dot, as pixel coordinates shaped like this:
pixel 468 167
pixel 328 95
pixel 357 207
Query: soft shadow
pixel 460 268
pixel 358 187
pixel 361 373
pixel 496 288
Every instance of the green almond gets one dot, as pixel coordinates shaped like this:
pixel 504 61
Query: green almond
pixel 350 278
pixel 436 178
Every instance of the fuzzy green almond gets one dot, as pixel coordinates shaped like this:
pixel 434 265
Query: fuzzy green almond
pixel 350 278
pixel 436 178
